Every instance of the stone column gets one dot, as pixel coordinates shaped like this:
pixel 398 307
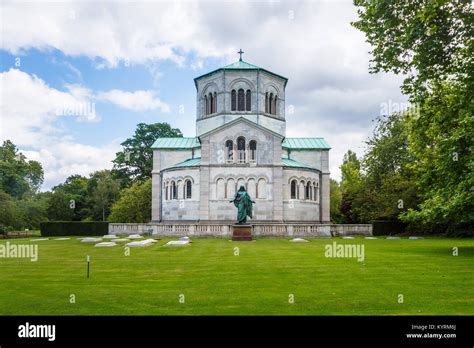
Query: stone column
pixel 324 204
pixel 204 180
pixel 324 187
pixel 277 194
pixel 156 196
pixel 156 187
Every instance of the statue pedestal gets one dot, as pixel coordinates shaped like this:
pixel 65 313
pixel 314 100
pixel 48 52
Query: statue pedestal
pixel 242 232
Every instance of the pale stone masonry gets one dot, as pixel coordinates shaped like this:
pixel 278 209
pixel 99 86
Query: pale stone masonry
pixel 240 141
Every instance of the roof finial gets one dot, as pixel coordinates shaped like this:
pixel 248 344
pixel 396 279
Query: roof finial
pixel 240 52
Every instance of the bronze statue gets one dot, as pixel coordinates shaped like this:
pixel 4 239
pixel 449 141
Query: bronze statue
pixel 244 203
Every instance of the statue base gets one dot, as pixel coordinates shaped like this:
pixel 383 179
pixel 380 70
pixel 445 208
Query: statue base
pixel 242 232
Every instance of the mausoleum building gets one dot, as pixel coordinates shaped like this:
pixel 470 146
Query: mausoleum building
pixel 240 141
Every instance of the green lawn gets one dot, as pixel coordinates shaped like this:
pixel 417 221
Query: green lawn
pixel 257 282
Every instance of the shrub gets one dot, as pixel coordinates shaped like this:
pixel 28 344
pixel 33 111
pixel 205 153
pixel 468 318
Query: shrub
pixel 73 228
pixel 388 227
pixel 426 228
pixel 461 230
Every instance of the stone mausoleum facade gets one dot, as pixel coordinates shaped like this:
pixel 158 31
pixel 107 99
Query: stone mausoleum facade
pixel 240 141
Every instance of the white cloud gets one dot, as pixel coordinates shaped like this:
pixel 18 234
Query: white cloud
pixel 132 32
pixel 30 118
pixel 310 42
pixel 30 108
pixel 62 158
pixel 136 101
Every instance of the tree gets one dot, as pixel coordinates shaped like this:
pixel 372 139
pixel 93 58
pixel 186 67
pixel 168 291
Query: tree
pixel 388 179
pixel 381 185
pixel 8 211
pixel 135 161
pixel 350 172
pixel 441 142
pixel 134 204
pixel 18 175
pixel 335 202
pixel 33 210
pixel 103 190
pixel 60 207
pixel 351 180
pixel 72 194
pixel 387 149
pixel 431 43
pixel 427 41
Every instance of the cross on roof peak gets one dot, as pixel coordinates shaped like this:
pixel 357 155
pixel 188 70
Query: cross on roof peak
pixel 240 52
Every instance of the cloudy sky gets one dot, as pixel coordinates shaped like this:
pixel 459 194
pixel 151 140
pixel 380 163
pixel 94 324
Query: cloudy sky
pixel 127 62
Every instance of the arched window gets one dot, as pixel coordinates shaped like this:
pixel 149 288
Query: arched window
pixel 214 110
pixel 266 102
pixel 274 107
pixel 248 100
pixel 167 191
pixel 294 190
pixel 211 103
pixel 252 188
pixel 316 191
pixel 174 191
pixel 262 188
pixel 301 190
pixel 188 190
pixel 270 104
pixel 229 145
pixel 207 105
pixel 241 149
pixel 241 100
pixel 180 189
pixel 253 150
pixel 220 187
pixel 230 188
pixel 308 191
pixel 233 98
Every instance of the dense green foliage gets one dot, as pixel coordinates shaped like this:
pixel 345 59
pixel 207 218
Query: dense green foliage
pixel 380 185
pixel 135 161
pixel 74 228
pixel 335 202
pixel 429 41
pixel 134 204
pixel 387 227
pixel 257 282
pixel 18 177
pixel 431 44
pixel 441 142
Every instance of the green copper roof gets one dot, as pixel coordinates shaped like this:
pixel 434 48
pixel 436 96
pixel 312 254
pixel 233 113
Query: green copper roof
pixel 292 163
pixel 176 143
pixel 190 162
pixel 240 65
pixel 305 144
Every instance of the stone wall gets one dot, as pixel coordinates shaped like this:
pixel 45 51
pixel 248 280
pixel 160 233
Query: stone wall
pixel 259 230
pixel 181 208
pixel 300 209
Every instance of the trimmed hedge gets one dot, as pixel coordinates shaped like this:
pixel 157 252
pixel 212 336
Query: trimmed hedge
pixel 387 227
pixel 74 228
pixel 464 230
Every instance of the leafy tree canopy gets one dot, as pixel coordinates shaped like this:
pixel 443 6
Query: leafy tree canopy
pixel 18 176
pixel 135 161
pixel 134 204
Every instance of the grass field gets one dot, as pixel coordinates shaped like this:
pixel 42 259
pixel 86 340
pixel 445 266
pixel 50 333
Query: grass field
pixel 257 282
